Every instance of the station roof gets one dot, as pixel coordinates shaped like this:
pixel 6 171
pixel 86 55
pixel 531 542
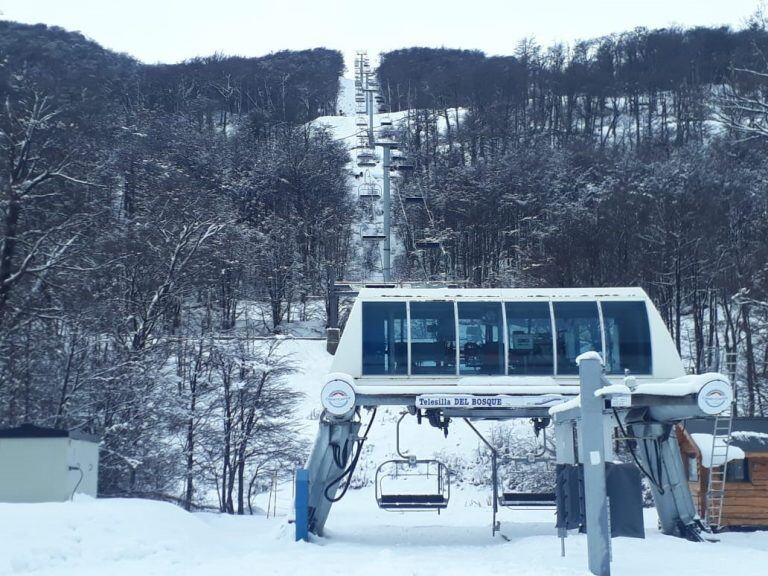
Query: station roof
pixel 749 434
pixel 443 293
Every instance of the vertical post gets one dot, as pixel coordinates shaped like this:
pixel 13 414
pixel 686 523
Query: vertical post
pixel 564 454
pixel 593 456
pixel 302 504
pixel 332 332
pixel 369 96
pixel 386 207
pixel 333 306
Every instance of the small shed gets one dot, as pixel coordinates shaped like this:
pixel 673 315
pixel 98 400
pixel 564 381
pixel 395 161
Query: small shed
pixel 47 464
pixel 746 484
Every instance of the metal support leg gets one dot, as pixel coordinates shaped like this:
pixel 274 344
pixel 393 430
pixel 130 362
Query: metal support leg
pixel 330 455
pixel 659 453
pixel 494 476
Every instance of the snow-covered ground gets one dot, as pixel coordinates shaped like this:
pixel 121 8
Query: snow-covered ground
pixel 137 537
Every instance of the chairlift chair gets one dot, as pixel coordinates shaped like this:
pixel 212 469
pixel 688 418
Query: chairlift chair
pixel 372 235
pixel 368 190
pixel 414 198
pixel 367 154
pixel 531 500
pixel 433 477
pixel 403 167
pixel 386 136
pixel 427 244
pixel 401 471
pixel 523 500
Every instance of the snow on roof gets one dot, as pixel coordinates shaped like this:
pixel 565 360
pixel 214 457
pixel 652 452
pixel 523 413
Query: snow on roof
pixel 572 403
pixel 706 445
pixel 440 293
pixel 757 437
pixel 683 386
pixel 749 434
pixel 613 389
pixel 591 355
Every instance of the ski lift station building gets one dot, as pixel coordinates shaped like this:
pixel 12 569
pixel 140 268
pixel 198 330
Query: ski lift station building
pixel 409 341
pixel 47 464
pixel 454 353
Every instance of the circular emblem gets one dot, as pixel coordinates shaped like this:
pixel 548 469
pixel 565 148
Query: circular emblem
pixel 715 397
pixel 338 397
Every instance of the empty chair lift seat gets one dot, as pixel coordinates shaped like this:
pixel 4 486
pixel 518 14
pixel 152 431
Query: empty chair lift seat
pixel 527 499
pixel 413 501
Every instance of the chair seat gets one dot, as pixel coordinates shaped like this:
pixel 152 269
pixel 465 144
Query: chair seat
pixel 413 501
pixel 527 499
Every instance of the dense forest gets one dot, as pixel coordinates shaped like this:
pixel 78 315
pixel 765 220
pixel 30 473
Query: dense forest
pixel 634 159
pixel 157 220
pixel 141 207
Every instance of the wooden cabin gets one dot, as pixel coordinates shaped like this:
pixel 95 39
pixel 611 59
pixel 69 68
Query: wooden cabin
pixel 746 487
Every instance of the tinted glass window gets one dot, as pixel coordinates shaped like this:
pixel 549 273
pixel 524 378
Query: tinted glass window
pixel 578 331
pixel 627 337
pixel 385 338
pixel 530 338
pixel 433 338
pixel 737 471
pixel 481 338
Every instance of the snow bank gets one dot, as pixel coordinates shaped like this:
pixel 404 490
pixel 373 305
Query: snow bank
pixel 705 444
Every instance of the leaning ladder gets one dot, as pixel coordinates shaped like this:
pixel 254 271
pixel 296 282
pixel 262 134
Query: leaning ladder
pixel 721 440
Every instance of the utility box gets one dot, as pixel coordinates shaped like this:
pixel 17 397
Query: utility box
pixel 47 464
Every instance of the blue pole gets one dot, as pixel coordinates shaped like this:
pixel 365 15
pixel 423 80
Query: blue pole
pixel 301 503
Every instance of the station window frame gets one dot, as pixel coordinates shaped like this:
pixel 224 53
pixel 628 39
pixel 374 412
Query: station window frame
pixel 550 302
pixel 649 335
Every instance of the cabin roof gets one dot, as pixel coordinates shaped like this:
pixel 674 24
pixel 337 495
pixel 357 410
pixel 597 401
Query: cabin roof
pixel 430 293
pixel 33 431
pixel 749 434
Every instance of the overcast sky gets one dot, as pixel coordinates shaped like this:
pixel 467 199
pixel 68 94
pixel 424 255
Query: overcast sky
pixel 173 30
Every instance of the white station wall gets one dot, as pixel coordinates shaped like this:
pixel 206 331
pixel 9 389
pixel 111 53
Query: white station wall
pixel 38 469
